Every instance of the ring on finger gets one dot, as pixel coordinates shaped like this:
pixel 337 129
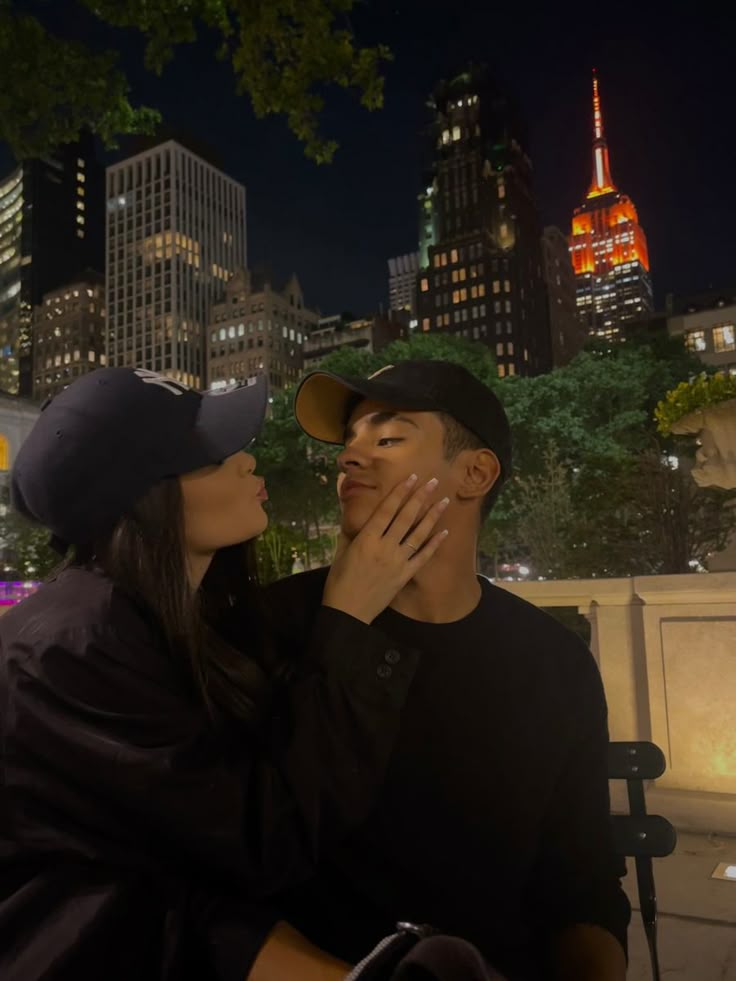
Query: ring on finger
pixel 412 547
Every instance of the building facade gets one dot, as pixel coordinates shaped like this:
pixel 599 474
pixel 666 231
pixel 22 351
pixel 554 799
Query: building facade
pixel 365 334
pixel 50 232
pixel 69 335
pixel 608 248
pixel 176 234
pixel 567 333
pixel 402 283
pixel 708 324
pixel 482 276
pixel 259 328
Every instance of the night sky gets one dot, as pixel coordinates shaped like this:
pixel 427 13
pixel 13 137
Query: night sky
pixel 669 110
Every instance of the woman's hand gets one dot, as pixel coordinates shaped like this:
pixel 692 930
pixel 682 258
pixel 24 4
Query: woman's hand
pixel 394 544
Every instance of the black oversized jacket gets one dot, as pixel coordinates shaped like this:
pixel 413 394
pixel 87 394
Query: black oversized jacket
pixel 139 842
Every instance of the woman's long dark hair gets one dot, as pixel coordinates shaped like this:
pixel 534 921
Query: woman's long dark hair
pixel 145 556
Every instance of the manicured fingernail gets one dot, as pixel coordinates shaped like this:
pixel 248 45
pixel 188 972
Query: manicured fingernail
pixel 432 483
pixel 411 480
pixel 445 533
pixel 443 503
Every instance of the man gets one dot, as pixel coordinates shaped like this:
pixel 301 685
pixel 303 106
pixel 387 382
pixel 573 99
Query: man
pixel 493 824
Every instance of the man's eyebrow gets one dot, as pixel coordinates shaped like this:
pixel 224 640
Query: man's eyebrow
pixel 377 419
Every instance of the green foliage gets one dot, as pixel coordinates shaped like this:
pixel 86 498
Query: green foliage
pixel 25 549
pixel 283 53
pixel 589 464
pixel 689 396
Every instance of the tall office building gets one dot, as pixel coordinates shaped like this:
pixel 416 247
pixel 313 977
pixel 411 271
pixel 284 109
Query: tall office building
pixel 608 247
pixel 175 235
pixel 50 233
pixel 402 283
pixel 480 254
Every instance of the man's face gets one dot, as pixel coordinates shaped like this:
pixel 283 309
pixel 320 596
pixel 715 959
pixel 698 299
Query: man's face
pixel 384 446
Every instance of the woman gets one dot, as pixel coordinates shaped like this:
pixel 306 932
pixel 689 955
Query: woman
pixel 145 808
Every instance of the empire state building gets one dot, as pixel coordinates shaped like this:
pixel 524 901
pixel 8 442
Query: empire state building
pixel 608 247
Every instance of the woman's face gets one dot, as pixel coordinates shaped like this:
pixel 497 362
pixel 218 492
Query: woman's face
pixel 223 505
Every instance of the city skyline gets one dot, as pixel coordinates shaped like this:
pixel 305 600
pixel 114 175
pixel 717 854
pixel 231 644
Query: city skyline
pixel 337 225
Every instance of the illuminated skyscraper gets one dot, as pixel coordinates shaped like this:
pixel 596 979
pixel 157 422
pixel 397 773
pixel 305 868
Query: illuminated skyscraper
pixel 480 262
pixel 608 247
pixel 175 237
pixel 50 233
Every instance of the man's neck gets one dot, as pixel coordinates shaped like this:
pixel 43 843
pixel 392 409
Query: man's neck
pixel 446 589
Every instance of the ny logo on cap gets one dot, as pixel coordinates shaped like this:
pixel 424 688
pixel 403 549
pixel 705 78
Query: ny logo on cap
pixel 152 378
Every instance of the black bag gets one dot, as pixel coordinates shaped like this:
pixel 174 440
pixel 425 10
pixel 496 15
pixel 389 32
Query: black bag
pixel 419 953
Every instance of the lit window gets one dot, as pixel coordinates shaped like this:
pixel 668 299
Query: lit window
pixel 231 331
pixel 456 134
pixel 223 333
pixel 504 229
pixel 501 188
pixel 463 294
pixel 512 369
pixel 454 275
pixel 499 349
pixel 456 296
pixel 445 136
pixel 453 255
pixel 80 163
pixel 80 177
pixel 436 260
pixel 723 338
pixel 424 284
pixel 481 289
pixel 506 286
pixel 444 259
pixel 496 285
pixel 67 357
pixel 510 347
pixel 425 323
pixel 501 370
pixel 80 219
pixel 103 359
pixel 438 321
pixel 463 276
pixel 695 340
pixel 80 233
pixel 241 330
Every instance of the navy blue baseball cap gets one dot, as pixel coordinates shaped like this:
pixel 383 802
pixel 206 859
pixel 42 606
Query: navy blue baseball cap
pixel 324 401
pixel 101 443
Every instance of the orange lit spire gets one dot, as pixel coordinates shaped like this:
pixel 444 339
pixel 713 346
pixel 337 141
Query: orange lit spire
pixel 602 182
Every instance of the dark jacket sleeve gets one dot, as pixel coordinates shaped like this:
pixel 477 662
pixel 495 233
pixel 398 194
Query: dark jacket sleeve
pixel 578 873
pixel 125 756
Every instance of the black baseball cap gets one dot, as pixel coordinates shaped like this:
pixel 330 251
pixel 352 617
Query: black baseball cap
pixel 112 434
pixel 324 401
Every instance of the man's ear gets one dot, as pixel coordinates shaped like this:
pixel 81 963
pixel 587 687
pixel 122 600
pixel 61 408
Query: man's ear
pixel 480 471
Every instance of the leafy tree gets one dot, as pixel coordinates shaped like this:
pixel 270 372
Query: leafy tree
pixel 283 53
pixel 24 546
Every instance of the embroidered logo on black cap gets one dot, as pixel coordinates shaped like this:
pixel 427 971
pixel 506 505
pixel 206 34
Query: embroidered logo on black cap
pixel 152 378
